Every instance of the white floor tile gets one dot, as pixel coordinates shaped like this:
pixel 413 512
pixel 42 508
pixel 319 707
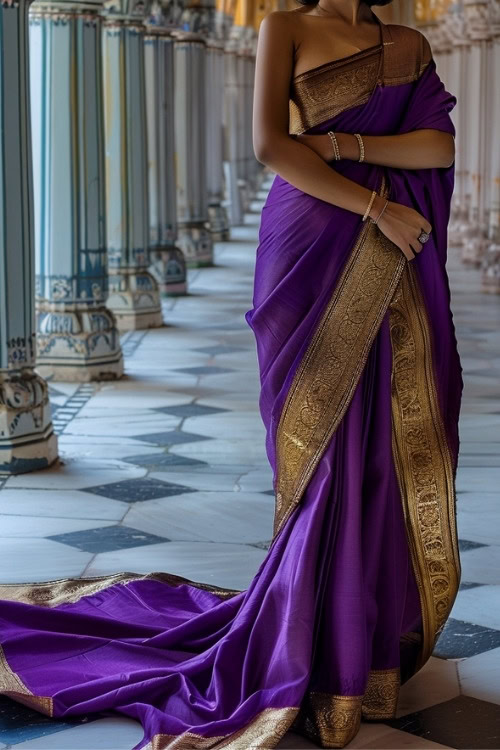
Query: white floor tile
pixel 235 517
pixel 227 565
pixel 480 676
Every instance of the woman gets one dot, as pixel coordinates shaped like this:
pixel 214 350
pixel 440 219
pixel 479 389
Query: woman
pixel 361 387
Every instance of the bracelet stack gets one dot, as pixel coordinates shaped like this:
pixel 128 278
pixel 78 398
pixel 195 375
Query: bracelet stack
pixel 370 204
pixel 336 150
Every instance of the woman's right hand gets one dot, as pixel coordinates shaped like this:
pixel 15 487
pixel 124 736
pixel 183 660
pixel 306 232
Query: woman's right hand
pixel 402 225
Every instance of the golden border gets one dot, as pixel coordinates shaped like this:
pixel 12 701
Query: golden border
pixel 71 590
pixel 326 378
pixel 263 732
pixel 423 461
pixel 12 686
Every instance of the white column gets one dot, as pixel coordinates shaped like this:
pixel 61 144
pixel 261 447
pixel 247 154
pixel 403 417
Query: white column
pixel 477 16
pixel 134 296
pixel 214 76
pixel 491 260
pixel 27 440
pixel 77 335
pixel 190 148
pixel 168 265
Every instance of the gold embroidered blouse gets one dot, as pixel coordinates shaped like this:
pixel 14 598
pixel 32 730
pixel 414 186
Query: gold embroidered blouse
pixel 323 92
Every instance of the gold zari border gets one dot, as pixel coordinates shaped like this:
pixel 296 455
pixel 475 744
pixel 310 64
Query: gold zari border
pixel 327 376
pixel 264 732
pixel 71 590
pixel 423 461
pixel 334 720
pixel 12 686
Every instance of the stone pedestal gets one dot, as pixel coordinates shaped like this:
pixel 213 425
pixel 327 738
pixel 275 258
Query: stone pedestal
pixel 27 440
pixel 134 296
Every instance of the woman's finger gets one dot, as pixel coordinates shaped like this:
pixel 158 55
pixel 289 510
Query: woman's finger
pixel 416 246
pixel 408 252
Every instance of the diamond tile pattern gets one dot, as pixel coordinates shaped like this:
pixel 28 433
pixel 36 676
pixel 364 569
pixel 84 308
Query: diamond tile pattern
pixel 135 490
pixel 460 639
pixel 464 545
pixel 172 437
pixel 107 539
pixel 204 370
pixel 163 461
pixel 19 723
pixel 190 410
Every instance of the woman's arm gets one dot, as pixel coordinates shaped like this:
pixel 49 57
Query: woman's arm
pixel 272 143
pixel 420 149
pixel 297 163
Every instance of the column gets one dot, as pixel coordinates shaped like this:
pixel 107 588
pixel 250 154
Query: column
pixel 214 75
pixel 168 265
pixel 461 197
pixel 231 134
pixel 190 148
pixel 491 260
pixel 27 441
pixel 134 295
pixel 477 18
pixel 77 335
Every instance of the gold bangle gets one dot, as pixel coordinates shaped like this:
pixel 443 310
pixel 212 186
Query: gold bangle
pixel 336 150
pixel 375 221
pixel 370 204
pixel 361 147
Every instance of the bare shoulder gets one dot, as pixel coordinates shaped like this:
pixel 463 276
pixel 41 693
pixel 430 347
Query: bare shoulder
pixel 411 41
pixel 279 20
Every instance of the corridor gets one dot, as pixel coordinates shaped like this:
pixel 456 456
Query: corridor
pixel 165 470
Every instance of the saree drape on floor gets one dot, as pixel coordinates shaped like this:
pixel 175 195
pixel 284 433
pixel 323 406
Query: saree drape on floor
pixel 361 387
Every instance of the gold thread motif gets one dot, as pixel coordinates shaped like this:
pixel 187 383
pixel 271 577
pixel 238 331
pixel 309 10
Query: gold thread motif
pixel 324 92
pixel 263 732
pixel 327 376
pixel 329 720
pixel 320 95
pixel 70 590
pixel 12 686
pixel 423 461
pixel 381 696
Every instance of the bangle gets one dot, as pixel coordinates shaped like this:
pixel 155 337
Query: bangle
pixel 336 150
pixel 375 221
pixel 361 147
pixel 370 204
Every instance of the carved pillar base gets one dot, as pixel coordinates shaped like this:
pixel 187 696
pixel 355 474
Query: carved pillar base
pixel 78 345
pixel 219 222
pixel 196 243
pixel 27 441
pixel 168 267
pixel 474 245
pixel 490 278
pixel 134 299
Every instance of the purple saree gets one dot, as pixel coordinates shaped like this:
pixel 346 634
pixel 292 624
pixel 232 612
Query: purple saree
pixel 361 388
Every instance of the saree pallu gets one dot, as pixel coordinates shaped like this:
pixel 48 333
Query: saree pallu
pixel 361 387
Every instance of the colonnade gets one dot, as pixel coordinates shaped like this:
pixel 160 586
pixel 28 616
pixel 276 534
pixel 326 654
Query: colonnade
pixel 126 152
pixel 465 38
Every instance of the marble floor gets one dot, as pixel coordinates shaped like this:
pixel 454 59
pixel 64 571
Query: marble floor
pixel 166 470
